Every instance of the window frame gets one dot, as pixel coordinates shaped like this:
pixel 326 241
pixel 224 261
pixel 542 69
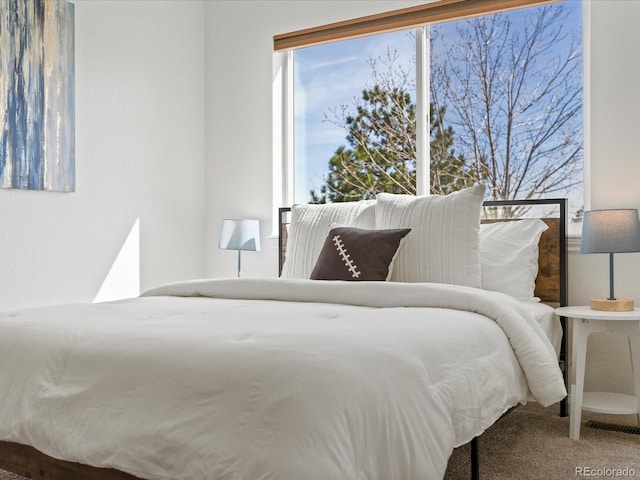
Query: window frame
pixel 418 17
pixel 402 19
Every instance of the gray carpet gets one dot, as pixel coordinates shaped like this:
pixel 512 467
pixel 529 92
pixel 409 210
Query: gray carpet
pixel 532 443
pixel 9 476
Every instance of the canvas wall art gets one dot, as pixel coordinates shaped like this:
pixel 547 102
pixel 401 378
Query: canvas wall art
pixel 37 90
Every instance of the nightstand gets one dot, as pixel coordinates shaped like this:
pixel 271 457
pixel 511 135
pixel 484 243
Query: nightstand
pixel 585 322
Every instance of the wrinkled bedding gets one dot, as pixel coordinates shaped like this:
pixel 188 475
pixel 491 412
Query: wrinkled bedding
pixel 271 378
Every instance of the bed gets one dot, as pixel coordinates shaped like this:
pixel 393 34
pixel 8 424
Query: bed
pixel 277 378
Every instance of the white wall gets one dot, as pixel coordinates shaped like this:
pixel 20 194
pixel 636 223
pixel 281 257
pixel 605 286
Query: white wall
pixel 239 55
pixel 139 157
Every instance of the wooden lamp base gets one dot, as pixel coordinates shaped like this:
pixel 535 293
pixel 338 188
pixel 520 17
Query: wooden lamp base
pixel 617 305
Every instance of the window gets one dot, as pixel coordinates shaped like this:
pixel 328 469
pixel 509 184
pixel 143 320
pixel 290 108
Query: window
pixel 344 96
pixel 504 96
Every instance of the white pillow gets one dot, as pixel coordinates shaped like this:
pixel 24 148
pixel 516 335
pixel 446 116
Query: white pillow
pixel 443 245
pixel 509 256
pixel 310 225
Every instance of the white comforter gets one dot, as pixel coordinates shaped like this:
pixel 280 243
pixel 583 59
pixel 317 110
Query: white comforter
pixel 339 381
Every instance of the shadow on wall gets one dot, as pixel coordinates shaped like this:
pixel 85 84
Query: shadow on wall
pixel 123 279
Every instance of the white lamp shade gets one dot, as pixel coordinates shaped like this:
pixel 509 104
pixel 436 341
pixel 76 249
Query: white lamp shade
pixel 610 231
pixel 240 234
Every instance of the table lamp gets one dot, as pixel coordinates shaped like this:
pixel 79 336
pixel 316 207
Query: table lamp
pixel 611 231
pixel 240 234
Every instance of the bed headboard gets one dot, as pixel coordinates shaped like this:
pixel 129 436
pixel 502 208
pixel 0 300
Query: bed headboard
pixel 551 283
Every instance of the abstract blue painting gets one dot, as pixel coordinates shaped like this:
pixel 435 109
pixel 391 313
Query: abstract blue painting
pixel 37 95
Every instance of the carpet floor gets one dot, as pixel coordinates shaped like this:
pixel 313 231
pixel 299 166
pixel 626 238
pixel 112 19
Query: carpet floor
pixel 532 443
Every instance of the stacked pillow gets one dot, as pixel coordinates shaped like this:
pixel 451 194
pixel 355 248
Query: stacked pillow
pixel 509 256
pixel 444 239
pixel 309 227
pixel 405 238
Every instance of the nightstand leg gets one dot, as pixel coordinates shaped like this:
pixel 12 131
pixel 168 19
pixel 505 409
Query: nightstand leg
pixel 634 344
pixel 579 356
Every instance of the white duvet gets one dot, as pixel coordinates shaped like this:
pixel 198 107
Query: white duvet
pixel 271 379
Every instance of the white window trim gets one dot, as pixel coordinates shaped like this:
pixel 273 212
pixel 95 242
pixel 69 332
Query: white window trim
pixel 283 121
pixel 423 144
pixel 586 105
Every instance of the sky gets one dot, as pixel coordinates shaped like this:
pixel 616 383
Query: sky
pixel 326 78
pixel 330 77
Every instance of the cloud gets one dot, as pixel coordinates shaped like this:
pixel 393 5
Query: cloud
pixel 330 63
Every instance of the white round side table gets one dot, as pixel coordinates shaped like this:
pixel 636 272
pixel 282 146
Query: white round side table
pixel 585 322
